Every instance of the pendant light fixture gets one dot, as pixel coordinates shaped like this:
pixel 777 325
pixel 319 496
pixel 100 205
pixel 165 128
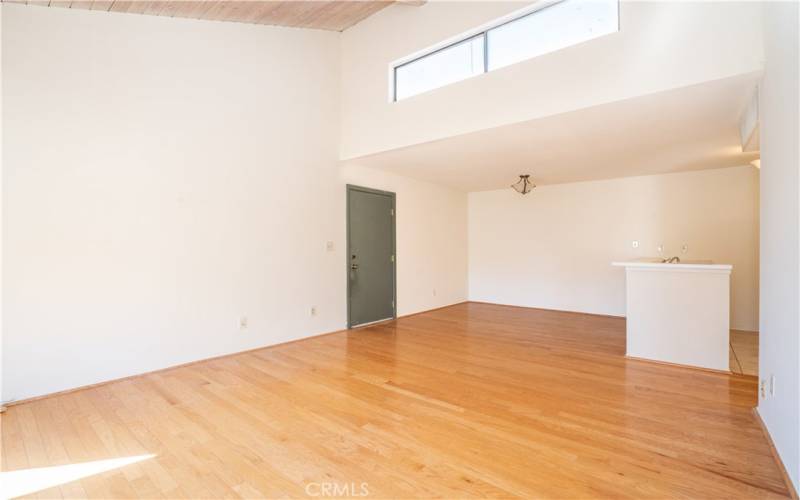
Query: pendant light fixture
pixel 523 185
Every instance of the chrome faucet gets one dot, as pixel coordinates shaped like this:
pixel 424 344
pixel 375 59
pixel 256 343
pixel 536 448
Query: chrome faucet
pixel 671 260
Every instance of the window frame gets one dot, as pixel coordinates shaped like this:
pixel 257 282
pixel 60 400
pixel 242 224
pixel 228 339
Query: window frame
pixel 480 31
pixel 441 49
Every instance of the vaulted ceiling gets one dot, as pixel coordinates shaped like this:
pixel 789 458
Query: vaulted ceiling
pixel 326 15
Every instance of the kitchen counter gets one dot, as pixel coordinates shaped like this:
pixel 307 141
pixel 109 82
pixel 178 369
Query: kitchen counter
pixel 678 313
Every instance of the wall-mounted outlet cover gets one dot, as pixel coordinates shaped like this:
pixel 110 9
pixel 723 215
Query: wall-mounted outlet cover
pixel 329 246
pixel 313 310
pixel 685 248
pixel 763 389
pixel 635 244
pixel 660 248
pixel 243 323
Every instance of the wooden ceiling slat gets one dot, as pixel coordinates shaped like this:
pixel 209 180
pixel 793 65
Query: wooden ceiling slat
pixel 366 9
pixel 276 12
pixel 258 11
pixel 121 6
pixel 265 12
pixel 336 15
pixel 201 10
pixel 293 12
pixel 330 15
pixel 102 4
pixel 155 8
pixel 138 6
pixel 237 11
pixel 320 15
pixel 131 7
pixel 190 9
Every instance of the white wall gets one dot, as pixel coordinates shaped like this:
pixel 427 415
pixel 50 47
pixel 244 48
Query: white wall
pixel 779 342
pixel 553 248
pixel 661 45
pixel 147 200
pixel 163 178
pixel 431 239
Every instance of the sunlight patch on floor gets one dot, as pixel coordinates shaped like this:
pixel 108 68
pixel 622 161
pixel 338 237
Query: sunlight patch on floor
pixel 26 481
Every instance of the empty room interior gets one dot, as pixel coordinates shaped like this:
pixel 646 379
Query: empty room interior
pixel 400 249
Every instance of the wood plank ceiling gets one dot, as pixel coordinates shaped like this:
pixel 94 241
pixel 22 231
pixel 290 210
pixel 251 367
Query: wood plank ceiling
pixel 326 15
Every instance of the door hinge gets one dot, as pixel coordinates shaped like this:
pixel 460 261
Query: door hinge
pixel 391 212
pixel 392 258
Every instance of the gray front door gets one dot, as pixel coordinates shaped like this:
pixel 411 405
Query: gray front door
pixel 370 256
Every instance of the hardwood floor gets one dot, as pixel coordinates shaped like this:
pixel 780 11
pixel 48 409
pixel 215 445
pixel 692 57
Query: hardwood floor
pixel 470 400
pixel 744 352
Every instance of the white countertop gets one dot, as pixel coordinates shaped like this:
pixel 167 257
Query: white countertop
pixel 697 265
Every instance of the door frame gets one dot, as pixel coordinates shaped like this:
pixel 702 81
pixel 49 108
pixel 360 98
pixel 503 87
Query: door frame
pixel 393 197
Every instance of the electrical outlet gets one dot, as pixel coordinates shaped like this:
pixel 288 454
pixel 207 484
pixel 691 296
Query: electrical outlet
pixel 685 248
pixel 660 248
pixel 763 389
pixel 772 385
pixel 313 310
pixel 329 246
pixel 635 244
pixel 243 323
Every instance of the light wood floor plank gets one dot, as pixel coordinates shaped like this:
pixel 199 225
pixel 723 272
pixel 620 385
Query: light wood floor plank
pixel 473 400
